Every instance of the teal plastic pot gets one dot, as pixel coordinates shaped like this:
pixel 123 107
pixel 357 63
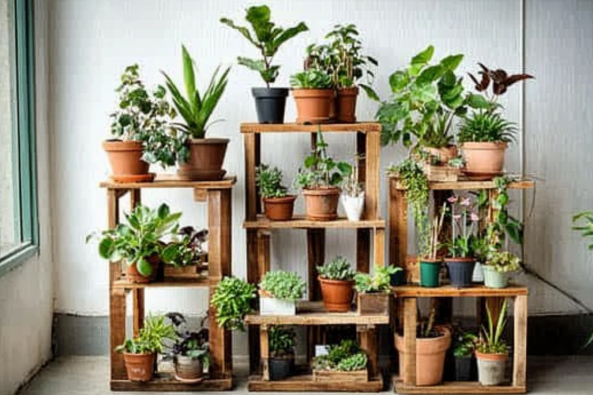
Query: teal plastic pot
pixel 429 272
pixel 493 278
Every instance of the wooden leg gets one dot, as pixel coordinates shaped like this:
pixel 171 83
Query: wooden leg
pixel 520 348
pixel 220 233
pixel 379 247
pixel 117 332
pixel 371 173
pixel 220 345
pixel 368 342
pixel 363 249
pixel 398 225
pixel 315 257
pixel 409 374
pixel 263 339
pixel 253 277
pixel 252 147
pixel 138 310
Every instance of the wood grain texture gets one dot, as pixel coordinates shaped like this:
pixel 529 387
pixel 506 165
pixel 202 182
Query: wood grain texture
pixel 305 383
pixel 252 160
pixel 368 342
pixel 265 351
pixel 407 291
pixel 315 257
pixel 520 342
pixel 339 376
pixel 410 306
pixel 372 173
pixel 117 332
pixel 299 222
pixel 367 127
pixel 171 181
pixel 469 185
pixel 461 387
pixel 220 233
pixel 168 383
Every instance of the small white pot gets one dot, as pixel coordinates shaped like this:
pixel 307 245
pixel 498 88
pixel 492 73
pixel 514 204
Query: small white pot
pixel 273 306
pixel 353 206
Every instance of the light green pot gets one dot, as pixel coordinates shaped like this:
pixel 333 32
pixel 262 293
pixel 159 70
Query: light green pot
pixel 493 278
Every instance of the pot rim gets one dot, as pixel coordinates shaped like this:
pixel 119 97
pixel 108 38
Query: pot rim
pixel 492 356
pixel 122 145
pixel 208 140
pixel 460 259
pixel 485 145
pixel 282 199
pixel 322 191
pixel 326 280
pixel 430 260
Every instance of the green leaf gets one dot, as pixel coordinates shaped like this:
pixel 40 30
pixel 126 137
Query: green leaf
pixel 144 267
pixel 163 211
pixel 370 92
pixel 430 74
pixel 241 29
pixel 423 57
pixel 398 80
pixel 188 73
pixel 451 62
pixel 288 34
pixel 106 247
pixel 256 65
pixel 424 93
pixel 477 101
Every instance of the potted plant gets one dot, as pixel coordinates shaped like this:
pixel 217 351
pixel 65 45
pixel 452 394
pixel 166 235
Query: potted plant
pixel 353 195
pixel 497 268
pixel 342 59
pixel 189 352
pixel 464 344
pixel 432 343
pixel 279 291
pixel 140 130
pixel 342 362
pixel 461 260
pixel 320 179
pixel 484 134
pixel 313 95
pixel 138 241
pixel 184 254
pixel 199 158
pixel 232 301
pixel 140 352
pixel 267 38
pixel 374 291
pixel 281 346
pixel 337 281
pixel 278 205
pixel 492 351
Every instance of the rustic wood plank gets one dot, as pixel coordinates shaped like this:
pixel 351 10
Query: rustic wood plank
pixel 379 247
pixel 168 383
pixel 363 250
pixel 341 376
pixel 137 293
pixel 409 375
pixel 117 332
pixel 170 282
pixel 252 160
pixel 398 231
pixel 220 233
pixel 367 127
pixel 368 342
pixel 112 221
pixel 315 257
pixel 373 304
pixel 470 185
pixel 409 291
pixel 299 222
pixel 461 387
pixel 200 195
pixel 314 313
pixel 305 383
pixel 263 253
pixel 171 181
pixel 520 344
pixel 253 276
pixel 372 173
pixel 265 352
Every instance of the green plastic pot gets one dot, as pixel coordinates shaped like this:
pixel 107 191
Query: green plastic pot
pixel 493 278
pixel 429 272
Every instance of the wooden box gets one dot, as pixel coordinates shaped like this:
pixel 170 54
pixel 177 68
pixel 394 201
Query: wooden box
pixel 339 376
pixel 441 173
pixel 193 271
pixel 373 303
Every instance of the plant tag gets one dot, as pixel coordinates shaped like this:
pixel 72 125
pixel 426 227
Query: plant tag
pixel 320 349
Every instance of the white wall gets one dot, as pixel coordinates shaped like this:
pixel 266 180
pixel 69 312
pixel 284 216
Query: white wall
pixel 26 293
pixel 92 42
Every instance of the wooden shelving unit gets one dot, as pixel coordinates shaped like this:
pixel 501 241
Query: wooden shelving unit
pixel 370 231
pixel 217 195
pixel 407 296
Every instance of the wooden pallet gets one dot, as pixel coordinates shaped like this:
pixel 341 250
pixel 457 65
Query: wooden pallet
pixel 456 387
pixel 165 382
pixel 305 383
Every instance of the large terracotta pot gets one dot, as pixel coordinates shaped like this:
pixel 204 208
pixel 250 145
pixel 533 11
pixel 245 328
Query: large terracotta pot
pixel 133 275
pixel 206 157
pixel 313 105
pixel 491 368
pixel 346 104
pixel 337 294
pixel 188 369
pixel 280 208
pixel 140 367
pixel 125 158
pixel 444 154
pixel 483 161
pixel 321 204
pixel 430 357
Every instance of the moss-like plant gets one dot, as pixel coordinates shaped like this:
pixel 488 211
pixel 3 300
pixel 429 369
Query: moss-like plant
pixel 281 284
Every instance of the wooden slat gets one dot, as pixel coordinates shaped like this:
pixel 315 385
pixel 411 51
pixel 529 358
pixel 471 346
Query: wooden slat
pixel 372 173
pixel 461 387
pixel 398 227
pixel 520 343
pixel 363 250
pixel 265 351
pixel 253 277
pixel 220 233
pixel 315 257
pixel 299 222
pixel 313 313
pixel 469 185
pixel 407 291
pixel 368 342
pixel 379 247
pixel 171 181
pixel 305 383
pixel 168 383
pixel 263 254
pixel 368 127
pixel 137 293
pixel 252 160
pixel 409 375
pixel 169 283
pixel 112 221
pixel 117 332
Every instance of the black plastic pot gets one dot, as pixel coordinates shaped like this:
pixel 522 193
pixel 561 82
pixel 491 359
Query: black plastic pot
pixel 460 271
pixel 270 104
pixel 466 368
pixel 397 278
pixel 280 368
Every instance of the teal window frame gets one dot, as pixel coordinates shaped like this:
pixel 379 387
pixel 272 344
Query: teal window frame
pixel 24 137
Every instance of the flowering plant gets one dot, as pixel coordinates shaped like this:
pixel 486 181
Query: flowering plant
pixel 464 220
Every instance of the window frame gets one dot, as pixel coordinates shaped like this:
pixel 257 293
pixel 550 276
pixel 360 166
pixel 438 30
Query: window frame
pixel 24 136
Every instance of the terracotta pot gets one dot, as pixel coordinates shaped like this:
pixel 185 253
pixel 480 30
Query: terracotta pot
pixel 125 158
pixel 346 104
pixel 444 154
pixel 430 357
pixel 337 294
pixel 140 367
pixel 313 105
pixel 279 209
pixel 188 369
pixel 205 160
pixel 134 276
pixel 321 204
pixel 483 161
pixel 491 368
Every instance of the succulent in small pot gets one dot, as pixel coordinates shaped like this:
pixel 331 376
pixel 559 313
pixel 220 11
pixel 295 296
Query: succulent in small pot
pixel 498 267
pixel 140 352
pixel 313 95
pixel 267 37
pixel 337 284
pixel 281 346
pixel 189 352
pixel 320 179
pixel 492 351
pixel 279 290
pixel 140 129
pixel 138 241
pixel 374 291
pixel 278 205
pixel 199 158
pixel 232 300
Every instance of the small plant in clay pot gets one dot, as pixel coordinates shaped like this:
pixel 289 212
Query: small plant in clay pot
pixel 497 268
pixel 278 205
pixel 337 284
pixel 313 95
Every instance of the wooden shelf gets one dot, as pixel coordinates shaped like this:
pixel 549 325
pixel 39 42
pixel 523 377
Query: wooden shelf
pixel 469 185
pixel 365 127
pixel 305 383
pixel 457 387
pixel 299 222
pixel 171 181
pixel 313 313
pixel 123 283
pixel 167 382
pixel 450 291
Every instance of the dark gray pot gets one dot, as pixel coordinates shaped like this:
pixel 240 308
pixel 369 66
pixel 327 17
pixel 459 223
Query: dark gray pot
pixel 466 368
pixel 270 104
pixel 280 368
pixel 460 271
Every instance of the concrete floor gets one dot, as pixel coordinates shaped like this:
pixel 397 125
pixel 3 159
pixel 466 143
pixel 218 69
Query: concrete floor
pixel 90 376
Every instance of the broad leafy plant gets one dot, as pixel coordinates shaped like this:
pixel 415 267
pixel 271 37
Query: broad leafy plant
pixel 490 341
pixel 337 269
pixel 151 337
pixel 232 301
pixel 189 343
pixel 269 181
pixel 464 343
pixel 379 282
pixel 281 284
pixel 266 37
pixel 282 342
pixel 311 79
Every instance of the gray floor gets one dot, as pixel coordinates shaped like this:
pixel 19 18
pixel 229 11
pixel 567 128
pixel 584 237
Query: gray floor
pixel 90 376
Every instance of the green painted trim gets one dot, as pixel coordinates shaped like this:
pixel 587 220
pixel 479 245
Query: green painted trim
pixel 17 258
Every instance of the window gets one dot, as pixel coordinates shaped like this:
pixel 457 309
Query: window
pixel 18 200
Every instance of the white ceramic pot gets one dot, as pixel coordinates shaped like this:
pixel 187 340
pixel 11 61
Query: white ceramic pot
pixel 353 206
pixel 273 306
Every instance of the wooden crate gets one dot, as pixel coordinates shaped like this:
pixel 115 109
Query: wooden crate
pixel 373 304
pixel 339 376
pixel 194 271
pixel 441 173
